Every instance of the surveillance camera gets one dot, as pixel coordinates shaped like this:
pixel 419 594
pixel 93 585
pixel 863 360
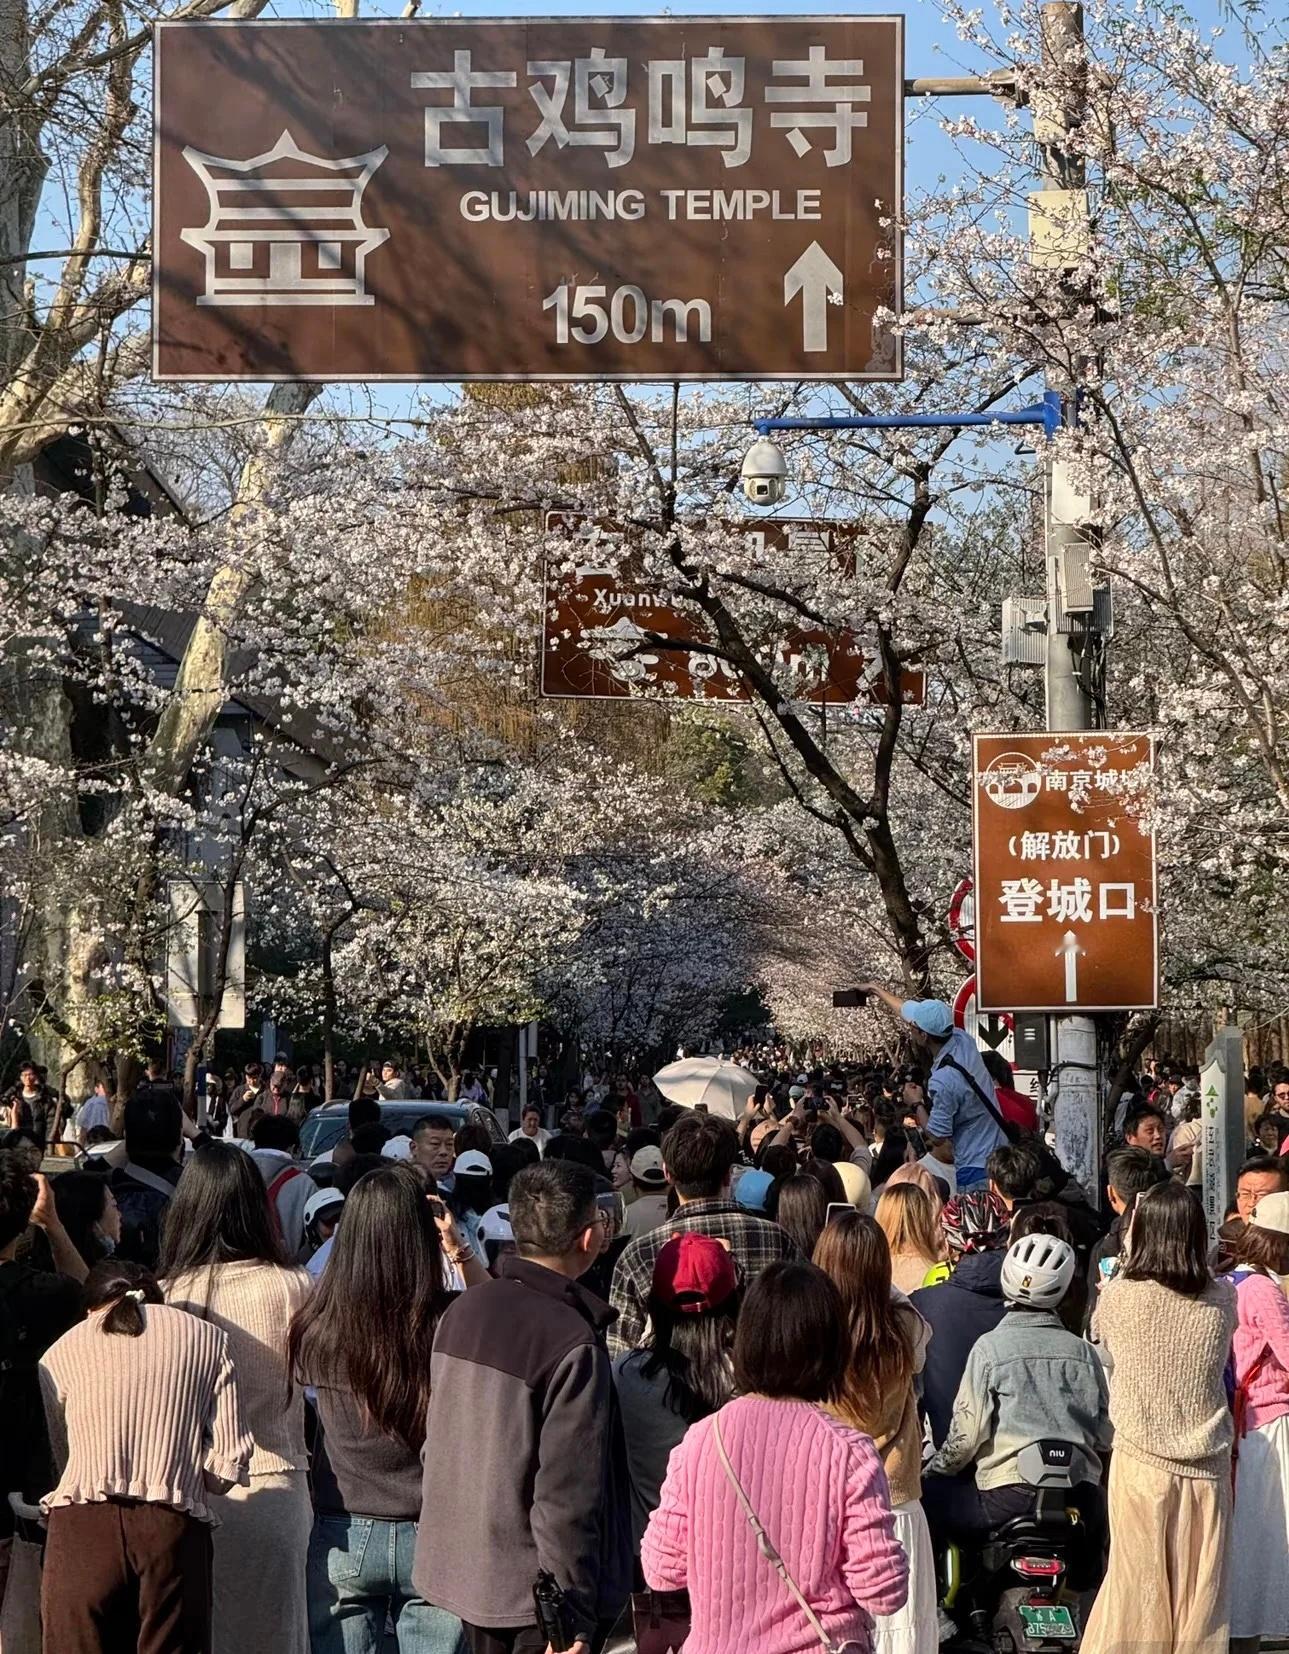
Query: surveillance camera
pixel 765 473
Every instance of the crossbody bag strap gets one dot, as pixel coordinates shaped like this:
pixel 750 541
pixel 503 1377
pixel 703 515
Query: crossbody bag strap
pixel 149 1180
pixel 763 1541
pixel 989 1103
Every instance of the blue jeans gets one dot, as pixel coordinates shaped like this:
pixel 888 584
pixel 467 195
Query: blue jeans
pixel 360 1571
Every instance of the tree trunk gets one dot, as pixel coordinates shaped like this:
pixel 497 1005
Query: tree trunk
pixel 192 1061
pixel 1137 1036
pixel 328 1022
pixel 201 687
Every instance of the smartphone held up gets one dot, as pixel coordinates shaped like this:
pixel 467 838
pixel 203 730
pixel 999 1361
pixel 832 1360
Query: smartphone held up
pixel 849 999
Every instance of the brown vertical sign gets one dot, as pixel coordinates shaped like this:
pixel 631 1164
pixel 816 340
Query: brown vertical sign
pixel 1066 911
pixel 551 198
pixel 608 635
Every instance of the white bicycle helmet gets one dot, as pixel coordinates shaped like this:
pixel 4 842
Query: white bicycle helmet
pixel 1038 1270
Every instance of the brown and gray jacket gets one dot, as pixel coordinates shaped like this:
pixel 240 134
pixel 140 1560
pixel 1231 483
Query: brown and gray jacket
pixel 524 1459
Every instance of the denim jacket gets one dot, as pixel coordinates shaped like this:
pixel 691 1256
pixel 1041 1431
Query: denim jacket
pixel 1026 1381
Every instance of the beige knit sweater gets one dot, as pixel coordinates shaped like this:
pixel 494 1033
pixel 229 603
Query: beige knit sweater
pixel 1167 1394
pixel 253 1303
pixel 155 1418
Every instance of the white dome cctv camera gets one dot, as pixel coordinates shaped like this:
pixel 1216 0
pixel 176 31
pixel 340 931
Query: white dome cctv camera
pixel 765 473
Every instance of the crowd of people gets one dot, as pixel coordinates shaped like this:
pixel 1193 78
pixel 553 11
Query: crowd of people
pixel 731 1385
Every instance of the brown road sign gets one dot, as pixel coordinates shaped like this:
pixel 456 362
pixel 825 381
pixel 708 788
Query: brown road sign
pixel 1066 910
pixel 550 198
pixel 608 636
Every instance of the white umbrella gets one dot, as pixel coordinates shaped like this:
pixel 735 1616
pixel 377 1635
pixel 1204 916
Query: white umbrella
pixel 723 1088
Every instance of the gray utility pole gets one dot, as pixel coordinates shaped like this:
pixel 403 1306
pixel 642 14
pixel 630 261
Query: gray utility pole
pixel 1059 233
pixel 1058 237
pixel 1065 632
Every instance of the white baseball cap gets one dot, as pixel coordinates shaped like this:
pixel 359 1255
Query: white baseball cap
pixel 397 1148
pixel 321 1200
pixel 472 1163
pixel 494 1225
pixel 1272 1212
pixel 646 1165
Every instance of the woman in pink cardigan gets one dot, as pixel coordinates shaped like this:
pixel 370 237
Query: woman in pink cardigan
pixel 1259 1581
pixel 774 1462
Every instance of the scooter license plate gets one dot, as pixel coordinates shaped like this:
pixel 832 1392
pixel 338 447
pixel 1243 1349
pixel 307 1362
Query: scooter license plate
pixel 1042 1620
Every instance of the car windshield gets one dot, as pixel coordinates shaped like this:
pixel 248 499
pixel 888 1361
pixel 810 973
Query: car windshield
pixel 324 1128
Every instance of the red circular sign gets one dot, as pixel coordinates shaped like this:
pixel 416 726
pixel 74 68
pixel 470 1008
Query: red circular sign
pixel 964 1003
pixel 962 920
pixel 964 1016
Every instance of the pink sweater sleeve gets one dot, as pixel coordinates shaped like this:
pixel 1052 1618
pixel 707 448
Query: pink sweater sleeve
pixel 1270 1315
pixel 664 1549
pixel 229 1445
pixel 873 1561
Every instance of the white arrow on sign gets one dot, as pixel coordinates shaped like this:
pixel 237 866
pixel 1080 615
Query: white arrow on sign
pixel 819 282
pixel 1071 950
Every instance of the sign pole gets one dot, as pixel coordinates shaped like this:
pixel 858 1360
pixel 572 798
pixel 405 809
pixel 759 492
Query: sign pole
pixel 1077 1115
pixel 1222 1142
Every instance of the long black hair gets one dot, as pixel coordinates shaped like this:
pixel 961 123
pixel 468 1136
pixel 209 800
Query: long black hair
pixel 696 1354
pixel 891 1156
pixel 799 1205
pixel 81 1199
pixel 1168 1240
pixel 369 1325
pixel 219 1213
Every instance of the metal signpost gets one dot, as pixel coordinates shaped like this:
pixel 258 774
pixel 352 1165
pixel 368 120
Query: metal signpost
pixel 608 635
pixel 550 198
pixel 1066 913
pixel 1222 1138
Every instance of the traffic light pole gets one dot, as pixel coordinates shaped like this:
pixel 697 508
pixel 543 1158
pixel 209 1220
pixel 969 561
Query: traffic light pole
pixel 1074 1090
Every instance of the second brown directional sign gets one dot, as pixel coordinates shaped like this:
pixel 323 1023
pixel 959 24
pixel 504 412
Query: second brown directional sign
pixel 559 198
pixel 610 633
pixel 1066 912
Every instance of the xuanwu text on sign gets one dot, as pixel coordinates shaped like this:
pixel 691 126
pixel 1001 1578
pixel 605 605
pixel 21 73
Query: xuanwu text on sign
pixel 562 198
pixel 611 632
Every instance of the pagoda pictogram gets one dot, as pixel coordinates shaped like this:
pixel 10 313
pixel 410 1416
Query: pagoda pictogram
pixel 285 227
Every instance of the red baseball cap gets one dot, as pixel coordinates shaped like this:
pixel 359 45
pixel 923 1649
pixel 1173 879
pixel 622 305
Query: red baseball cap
pixel 694 1273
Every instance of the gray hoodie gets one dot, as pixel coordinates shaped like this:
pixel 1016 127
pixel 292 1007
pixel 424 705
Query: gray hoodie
pixel 290 1196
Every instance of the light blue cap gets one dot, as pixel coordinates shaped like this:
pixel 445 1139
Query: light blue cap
pixel 932 1016
pixel 751 1189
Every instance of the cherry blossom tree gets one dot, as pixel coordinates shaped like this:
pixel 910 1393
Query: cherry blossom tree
pixel 378 602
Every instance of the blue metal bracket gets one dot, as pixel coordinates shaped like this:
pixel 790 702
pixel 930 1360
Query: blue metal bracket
pixel 1047 413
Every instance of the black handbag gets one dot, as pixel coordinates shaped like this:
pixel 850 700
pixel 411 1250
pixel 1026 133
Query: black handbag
pixel 660 1620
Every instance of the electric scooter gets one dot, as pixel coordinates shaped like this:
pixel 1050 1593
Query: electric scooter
pixel 1018 1594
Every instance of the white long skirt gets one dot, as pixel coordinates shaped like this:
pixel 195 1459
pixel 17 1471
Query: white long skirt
pixel 260 1547
pixel 1259 1534
pixel 913 1628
